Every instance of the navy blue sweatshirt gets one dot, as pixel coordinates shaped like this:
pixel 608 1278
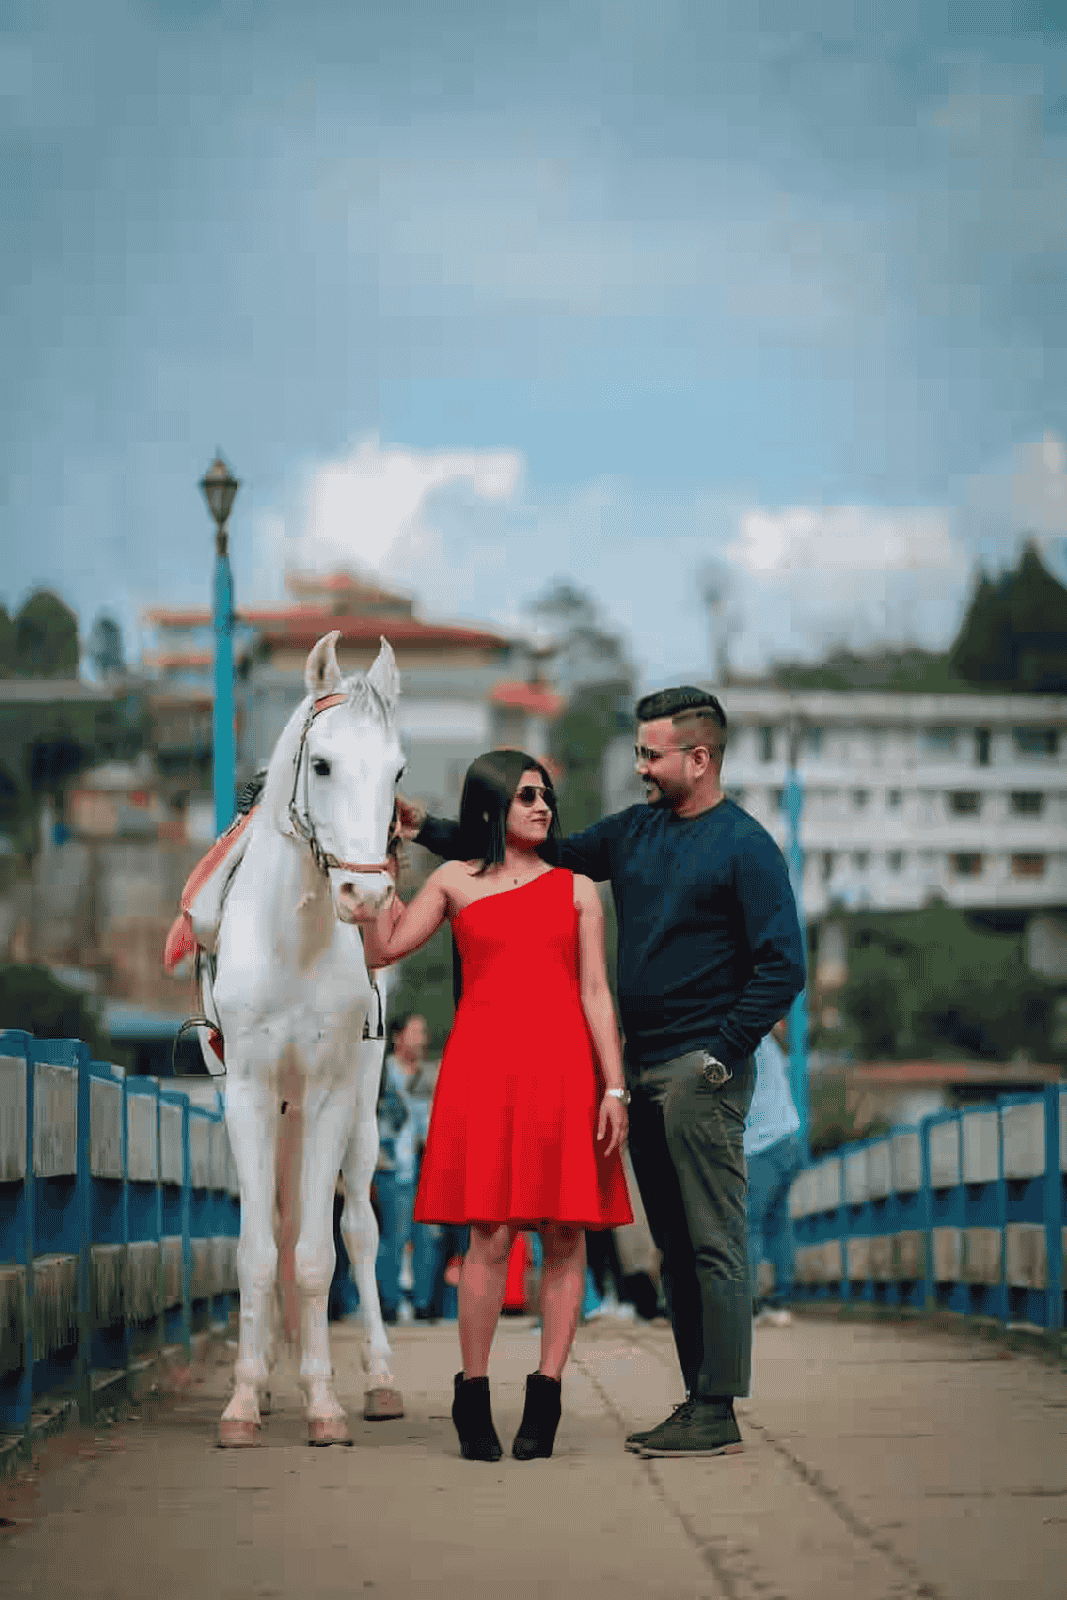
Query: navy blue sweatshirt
pixel 710 948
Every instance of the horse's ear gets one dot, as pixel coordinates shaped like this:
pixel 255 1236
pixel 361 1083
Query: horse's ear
pixel 322 675
pixel 384 676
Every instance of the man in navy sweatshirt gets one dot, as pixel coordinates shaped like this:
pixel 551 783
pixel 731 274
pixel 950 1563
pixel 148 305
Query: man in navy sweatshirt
pixel 710 955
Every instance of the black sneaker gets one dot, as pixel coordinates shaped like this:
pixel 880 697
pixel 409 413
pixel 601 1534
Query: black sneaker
pixel 635 1441
pixel 700 1428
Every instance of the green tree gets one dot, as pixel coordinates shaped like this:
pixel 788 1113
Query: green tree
pixel 981 652
pixel 106 650
pixel 32 999
pixel 593 669
pixel 8 649
pixel 46 638
pixel 910 671
pixel 583 650
pixel 932 985
pixel 595 715
pixel 1014 635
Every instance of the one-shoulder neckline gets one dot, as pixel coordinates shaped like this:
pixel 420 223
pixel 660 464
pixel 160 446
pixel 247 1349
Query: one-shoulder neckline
pixel 500 894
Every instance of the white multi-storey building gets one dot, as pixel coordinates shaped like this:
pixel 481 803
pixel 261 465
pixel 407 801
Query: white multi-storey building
pixel 906 797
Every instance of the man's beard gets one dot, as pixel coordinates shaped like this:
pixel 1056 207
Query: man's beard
pixel 655 796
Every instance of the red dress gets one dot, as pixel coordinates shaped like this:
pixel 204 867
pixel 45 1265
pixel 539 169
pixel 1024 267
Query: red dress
pixel 512 1134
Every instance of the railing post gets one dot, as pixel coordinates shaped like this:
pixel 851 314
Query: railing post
pixel 187 1245
pixel 1053 1210
pixel 24 1397
pixel 127 1323
pixel 926 1214
pixel 83 1208
pixel 1001 1218
pixel 161 1277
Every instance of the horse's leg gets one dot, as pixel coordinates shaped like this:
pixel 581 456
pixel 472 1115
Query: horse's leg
pixel 328 1114
pixel 251 1120
pixel 276 1333
pixel 360 1230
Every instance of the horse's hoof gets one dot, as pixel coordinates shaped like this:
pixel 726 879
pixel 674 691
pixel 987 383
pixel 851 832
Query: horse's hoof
pixel 380 1405
pixel 329 1430
pixel 237 1433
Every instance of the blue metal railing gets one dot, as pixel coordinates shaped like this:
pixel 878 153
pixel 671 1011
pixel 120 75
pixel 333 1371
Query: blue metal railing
pixel 967 1211
pixel 119 1216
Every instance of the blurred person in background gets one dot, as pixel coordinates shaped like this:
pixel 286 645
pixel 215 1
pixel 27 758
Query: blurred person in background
pixel 411 1038
pixel 395 1175
pixel 774 1154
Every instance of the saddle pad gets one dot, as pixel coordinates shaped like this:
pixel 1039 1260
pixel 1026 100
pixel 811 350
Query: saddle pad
pixel 181 941
pixel 217 854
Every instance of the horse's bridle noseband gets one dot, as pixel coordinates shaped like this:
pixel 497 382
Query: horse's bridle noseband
pixel 303 825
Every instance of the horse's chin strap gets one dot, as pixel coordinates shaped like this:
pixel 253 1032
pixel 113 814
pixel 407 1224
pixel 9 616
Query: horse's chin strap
pixel 304 828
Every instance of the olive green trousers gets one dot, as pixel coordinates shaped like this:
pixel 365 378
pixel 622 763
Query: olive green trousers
pixel 686 1144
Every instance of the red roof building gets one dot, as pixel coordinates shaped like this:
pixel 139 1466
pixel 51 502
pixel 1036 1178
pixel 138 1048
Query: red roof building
pixel 466 688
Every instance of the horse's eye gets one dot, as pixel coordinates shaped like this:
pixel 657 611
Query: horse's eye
pixel 320 768
pixel 400 774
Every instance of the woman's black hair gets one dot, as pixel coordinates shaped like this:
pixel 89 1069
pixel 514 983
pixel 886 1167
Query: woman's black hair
pixel 488 790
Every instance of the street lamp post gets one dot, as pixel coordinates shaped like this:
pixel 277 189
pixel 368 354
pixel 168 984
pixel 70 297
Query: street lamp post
pixel 220 490
pixel 793 806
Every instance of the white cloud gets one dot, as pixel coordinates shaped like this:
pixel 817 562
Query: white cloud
pixel 1024 495
pixel 462 532
pixel 371 508
pixel 844 539
pixel 263 566
pixel 806 578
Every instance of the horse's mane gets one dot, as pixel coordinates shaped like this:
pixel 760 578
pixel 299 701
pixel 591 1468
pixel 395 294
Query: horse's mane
pixel 278 789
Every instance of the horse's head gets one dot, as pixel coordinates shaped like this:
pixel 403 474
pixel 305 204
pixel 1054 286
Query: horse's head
pixel 349 767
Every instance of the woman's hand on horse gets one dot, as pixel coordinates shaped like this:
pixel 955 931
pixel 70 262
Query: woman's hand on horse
pixel 613 1120
pixel 410 815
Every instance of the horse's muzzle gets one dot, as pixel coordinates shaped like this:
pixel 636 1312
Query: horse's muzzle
pixel 364 899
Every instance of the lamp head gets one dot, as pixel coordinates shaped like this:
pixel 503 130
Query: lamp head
pixel 220 490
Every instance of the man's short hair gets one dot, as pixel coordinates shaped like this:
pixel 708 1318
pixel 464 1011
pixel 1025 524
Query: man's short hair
pixel 686 707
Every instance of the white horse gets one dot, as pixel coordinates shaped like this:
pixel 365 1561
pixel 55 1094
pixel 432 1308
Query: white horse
pixel 302 1022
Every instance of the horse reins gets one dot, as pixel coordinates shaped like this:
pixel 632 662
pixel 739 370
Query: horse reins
pixel 325 859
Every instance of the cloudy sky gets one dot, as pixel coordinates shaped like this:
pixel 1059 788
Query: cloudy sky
pixel 478 295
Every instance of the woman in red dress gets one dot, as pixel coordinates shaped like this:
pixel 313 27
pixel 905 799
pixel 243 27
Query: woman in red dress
pixel 524 1133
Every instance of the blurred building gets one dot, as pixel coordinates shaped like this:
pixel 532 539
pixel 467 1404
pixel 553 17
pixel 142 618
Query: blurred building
pixel 465 689
pixel 106 888
pixel 50 728
pixel 903 1092
pixel 907 797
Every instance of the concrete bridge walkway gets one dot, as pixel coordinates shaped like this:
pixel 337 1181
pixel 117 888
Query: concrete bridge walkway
pixel 881 1463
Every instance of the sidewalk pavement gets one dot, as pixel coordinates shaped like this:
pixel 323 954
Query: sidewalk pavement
pixel 880 1463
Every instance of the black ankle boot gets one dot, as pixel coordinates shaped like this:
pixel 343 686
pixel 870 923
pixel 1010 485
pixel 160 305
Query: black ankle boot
pixel 540 1418
pixel 474 1420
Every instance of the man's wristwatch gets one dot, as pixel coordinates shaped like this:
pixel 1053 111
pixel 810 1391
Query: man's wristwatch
pixel 619 1094
pixel 714 1071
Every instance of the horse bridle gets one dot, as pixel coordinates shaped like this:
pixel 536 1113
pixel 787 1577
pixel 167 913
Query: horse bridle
pixel 303 825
